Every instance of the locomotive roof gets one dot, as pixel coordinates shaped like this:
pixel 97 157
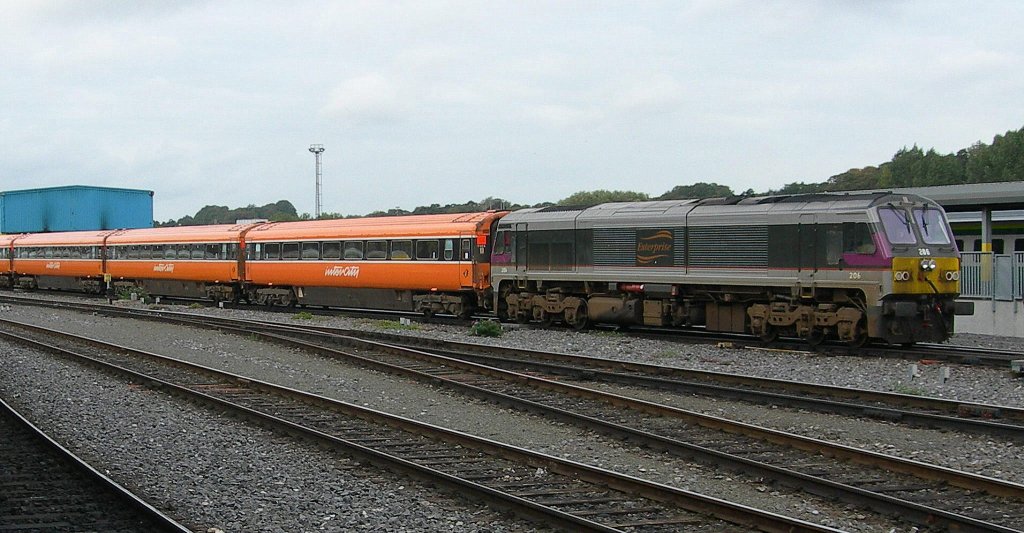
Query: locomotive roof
pixel 411 226
pixel 666 209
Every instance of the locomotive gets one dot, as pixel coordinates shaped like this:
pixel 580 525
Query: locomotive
pixel 846 267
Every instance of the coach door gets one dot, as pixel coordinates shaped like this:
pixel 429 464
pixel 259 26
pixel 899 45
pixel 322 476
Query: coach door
pixel 807 264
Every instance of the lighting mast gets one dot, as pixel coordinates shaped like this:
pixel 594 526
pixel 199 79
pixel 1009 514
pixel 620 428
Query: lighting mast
pixel 317 149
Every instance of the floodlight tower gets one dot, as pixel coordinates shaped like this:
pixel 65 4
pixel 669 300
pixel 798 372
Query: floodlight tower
pixel 317 149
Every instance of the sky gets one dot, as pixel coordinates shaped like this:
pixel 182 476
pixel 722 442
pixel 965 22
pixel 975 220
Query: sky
pixel 423 102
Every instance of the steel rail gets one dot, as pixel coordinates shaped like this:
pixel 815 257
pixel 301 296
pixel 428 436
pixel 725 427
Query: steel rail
pixel 70 471
pixel 646 490
pixel 878 502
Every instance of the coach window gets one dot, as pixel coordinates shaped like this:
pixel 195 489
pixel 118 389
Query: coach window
pixel 353 249
pixel 426 250
pixel 449 249
pixel 332 250
pixel 272 250
pixel 311 250
pixel 48 252
pixel 230 251
pixel 376 249
pixel 290 250
pixel 401 250
pixel 184 251
pixel 199 251
pixel 997 246
pixel 213 251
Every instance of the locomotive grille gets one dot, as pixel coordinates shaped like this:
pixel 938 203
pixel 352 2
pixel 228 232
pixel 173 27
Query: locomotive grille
pixel 614 247
pixel 729 246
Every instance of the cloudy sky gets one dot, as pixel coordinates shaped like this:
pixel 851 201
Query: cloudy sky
pixel 426 102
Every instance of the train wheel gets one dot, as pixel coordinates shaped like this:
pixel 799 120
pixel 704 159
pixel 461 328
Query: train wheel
pixel 769 335
pixel 546 320
pixel 580 320
pixel 522 317
pixel 815 337
pixel 860 337
pixel 428 314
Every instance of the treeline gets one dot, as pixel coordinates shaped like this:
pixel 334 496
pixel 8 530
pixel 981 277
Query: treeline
pixel 221 214
pixel 1003 160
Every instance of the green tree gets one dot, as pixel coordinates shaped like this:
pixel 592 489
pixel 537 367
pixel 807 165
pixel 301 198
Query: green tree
pixel 602 196
pixel 697 191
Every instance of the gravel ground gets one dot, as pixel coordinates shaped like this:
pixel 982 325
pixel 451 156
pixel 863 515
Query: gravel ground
pixel 212 471
pixel 998 458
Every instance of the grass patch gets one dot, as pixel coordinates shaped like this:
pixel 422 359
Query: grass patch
pixel 395 325
pixel 900 388
pixel 196 305
pixel 609 333
pixel 303 315
pixel 486 328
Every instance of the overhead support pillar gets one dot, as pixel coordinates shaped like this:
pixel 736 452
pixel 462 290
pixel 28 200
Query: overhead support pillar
pixel 986 229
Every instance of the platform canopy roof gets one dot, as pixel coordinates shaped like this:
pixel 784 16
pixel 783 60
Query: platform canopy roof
pixel 973 196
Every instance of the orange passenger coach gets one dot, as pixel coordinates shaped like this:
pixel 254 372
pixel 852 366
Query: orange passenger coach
pixel 425 263
pixel 6 260
pixel 61 261
pixel 187 261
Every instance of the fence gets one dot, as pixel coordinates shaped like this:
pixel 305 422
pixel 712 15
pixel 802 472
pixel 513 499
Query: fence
pixel 992 276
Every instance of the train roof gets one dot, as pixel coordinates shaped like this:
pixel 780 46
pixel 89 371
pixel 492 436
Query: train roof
pixel 356 228
pixel 212 233
pixel 658 210
pixel 62 238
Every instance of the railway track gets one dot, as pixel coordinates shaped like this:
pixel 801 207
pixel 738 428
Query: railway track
pixel 562 493
pixel 882 483
pixel 46 488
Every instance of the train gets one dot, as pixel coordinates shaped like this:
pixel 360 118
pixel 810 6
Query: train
pixel 852 268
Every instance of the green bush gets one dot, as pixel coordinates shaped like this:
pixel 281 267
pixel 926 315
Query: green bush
pixel 486 328
pixel 303 315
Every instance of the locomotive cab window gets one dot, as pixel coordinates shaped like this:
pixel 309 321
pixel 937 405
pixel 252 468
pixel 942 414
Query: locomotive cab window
pixel 898 226
pixel 857 239
pixel 932 225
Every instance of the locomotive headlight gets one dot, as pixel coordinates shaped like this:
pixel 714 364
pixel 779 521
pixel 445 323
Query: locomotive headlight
pixel 901 275
pixel 951 275
pixel 927 265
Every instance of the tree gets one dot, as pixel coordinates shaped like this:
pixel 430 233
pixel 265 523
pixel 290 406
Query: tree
pixel 602 196
pixel 697 191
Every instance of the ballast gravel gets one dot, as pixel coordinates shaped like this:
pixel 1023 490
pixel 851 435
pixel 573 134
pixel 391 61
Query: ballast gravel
pixel 405 397
pixel 212 472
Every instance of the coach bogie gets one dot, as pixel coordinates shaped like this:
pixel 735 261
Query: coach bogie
pixel 282 297
pixel 460 305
